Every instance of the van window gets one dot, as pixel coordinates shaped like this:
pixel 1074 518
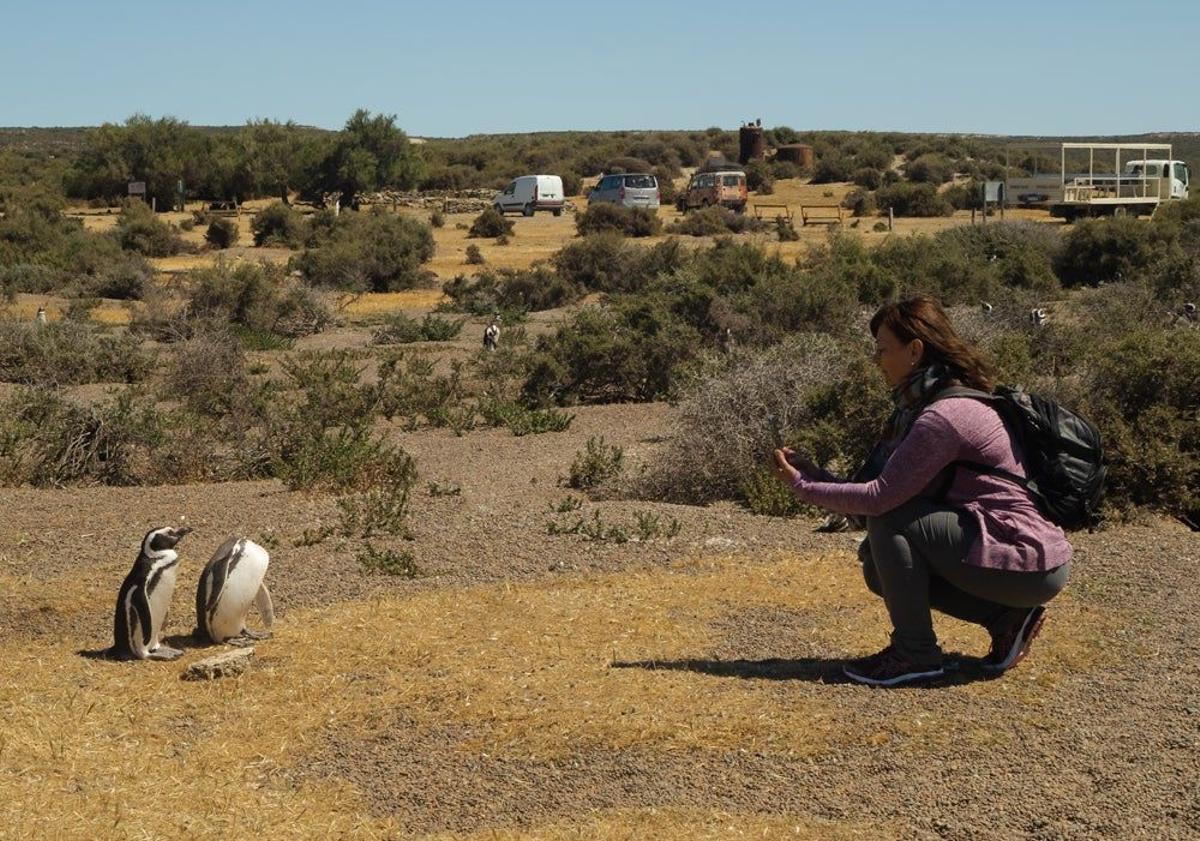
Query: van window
pixel 731 180
pixel 640 182
pixel 510 189
pixel 610 181
pixel 1181 171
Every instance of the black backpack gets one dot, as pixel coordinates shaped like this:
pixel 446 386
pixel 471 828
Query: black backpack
pixel 1062 452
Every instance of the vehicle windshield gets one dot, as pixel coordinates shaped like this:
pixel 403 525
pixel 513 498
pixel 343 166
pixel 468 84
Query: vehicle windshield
pixel 640 181
pixel 731 180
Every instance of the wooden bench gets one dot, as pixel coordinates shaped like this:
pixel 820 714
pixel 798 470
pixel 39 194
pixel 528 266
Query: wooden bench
pixel 782 211
pixel 821 214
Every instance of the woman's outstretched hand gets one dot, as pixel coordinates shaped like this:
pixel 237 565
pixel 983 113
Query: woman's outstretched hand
pixel 789 466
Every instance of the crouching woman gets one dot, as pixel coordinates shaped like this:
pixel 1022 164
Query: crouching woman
pixel 968 544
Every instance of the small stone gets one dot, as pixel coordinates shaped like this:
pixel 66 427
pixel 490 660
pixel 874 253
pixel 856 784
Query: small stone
pixel 227 664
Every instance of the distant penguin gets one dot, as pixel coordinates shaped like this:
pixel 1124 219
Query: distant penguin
pixel 231 582
pixel 987 309
pixel 491 336
pixel 1037 316
pixel 1190 312
pixel 145 597
pixel 40 318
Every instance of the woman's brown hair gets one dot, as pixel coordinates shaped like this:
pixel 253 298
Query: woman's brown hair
pixel 923 318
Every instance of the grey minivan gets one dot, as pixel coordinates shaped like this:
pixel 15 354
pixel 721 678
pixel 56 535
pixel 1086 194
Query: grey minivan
pixel 629 189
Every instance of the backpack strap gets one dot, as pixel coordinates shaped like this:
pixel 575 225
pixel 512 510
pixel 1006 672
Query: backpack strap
pixel 998 402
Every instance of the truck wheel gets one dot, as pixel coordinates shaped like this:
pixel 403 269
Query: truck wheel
pixel 527 210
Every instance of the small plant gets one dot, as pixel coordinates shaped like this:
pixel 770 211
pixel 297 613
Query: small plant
pixel 221 233
pixel 879 227
pixel 436 489
pixel 437 219
pixel 502 239
pixel 629 221
pixel 387 561
pixel 785 230
pixel 400 329
pixel 521 421
pixel 650 526
pixel 566 505
pixel 766 495
pixel 268 540
pixel 474 255
pixel 491 223
pixel 382 509
pixel 598 531
pixel 314 537
pixel 596 464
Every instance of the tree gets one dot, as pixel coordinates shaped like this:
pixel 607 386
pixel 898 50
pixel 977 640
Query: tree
pixel 371 153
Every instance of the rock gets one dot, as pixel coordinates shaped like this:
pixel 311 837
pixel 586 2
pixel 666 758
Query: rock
pixel 228 664
pixel 723 543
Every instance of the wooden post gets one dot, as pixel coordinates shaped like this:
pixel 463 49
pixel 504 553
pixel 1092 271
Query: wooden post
pixel 891 218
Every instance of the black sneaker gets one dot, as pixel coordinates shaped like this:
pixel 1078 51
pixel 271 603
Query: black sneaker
pixel 890 668
pixel 1012 637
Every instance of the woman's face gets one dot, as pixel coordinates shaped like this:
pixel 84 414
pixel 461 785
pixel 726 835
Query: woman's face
pixel 896 359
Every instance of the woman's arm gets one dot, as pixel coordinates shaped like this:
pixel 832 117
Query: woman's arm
pixel 930 445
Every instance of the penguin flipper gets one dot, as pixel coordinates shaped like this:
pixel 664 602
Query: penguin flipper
pixel 262 601
pixel 141 606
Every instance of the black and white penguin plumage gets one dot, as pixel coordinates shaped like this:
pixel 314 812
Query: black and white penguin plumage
pixel 145 598
pixel 231 582
pixel 491 336
pixel 1037 316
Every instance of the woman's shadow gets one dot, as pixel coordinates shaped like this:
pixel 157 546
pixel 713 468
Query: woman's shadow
pixel 960 669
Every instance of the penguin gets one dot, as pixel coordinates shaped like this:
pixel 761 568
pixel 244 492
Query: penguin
pixel 1037 316
pixel 145 597
pixel 1189 312
pixel 232 581
pixel 987 309
pixel 491 336
pixel 40 318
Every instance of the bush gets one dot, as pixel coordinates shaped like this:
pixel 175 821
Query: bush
pixel 375 251
pixel 68 353
pixel 831 168
pixel 1104 250
pixel 930 169
pixel 512 290
pixel 474 256
pixel 221 233
pixel 629 221
pixel 596 464
pixel 490 223
pixel 859 202
pixel 279 224
pixel 820 394
pixel 400 329
pixel 714 221
pixel 867 178
pixel 140 231
pixel 1141 392
pixel 208 373
pixel 437 219
pixel 908 199
pixel 255 296
pixel 785 230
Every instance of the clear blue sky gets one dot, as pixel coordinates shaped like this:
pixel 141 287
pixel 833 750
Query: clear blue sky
pixel 456 67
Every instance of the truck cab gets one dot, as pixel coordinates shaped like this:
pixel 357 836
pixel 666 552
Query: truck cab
pixel 1174 175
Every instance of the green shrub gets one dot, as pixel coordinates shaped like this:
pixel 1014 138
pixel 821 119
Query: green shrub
pixel 208 373
pixel 490 223
pixel 400 329
pixel 140 231
pixel 868 178
pixel 437 219
pixel 629 221
pixel 596 464
pixel 387 561
pixel 257 296
pixel 521 420
pixel 785 230
pixel 714 221
pixel 930 169
pixel 913 199
pixel 831 168
pixel 474 256
pixel 1104 250
pixel 279 224
pixel 603 262
pixel 68 353
pixel 859 202
pixel 375 251
pixel 512 291
pixel 221 233
pixel 1141 392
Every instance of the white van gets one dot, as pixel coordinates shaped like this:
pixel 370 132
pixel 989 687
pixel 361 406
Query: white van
pixel 530 193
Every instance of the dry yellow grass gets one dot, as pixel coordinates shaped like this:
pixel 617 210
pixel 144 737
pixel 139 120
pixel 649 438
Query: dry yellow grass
pixel 25 307
pixel 103 750
pixel 380 303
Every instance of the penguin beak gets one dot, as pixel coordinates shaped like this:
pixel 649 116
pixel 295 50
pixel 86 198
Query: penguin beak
pixel 182 531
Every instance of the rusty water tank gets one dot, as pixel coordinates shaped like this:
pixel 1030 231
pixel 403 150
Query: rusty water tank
pixel 751 145
pixel 800 154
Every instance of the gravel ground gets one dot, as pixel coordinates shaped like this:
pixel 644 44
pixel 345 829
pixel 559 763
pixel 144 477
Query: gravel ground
pixel 1112 752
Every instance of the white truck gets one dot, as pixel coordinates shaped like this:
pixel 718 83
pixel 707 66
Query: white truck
pixel 1096 179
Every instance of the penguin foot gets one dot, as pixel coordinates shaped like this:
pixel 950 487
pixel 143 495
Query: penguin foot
pixel 164 652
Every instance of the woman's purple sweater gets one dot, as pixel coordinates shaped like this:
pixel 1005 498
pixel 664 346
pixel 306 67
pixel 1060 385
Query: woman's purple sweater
pixel 1013 534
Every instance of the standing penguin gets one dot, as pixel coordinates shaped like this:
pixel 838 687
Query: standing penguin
pixel 232 581
pixel 145 597
pixel 491 336
pixel 40 318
